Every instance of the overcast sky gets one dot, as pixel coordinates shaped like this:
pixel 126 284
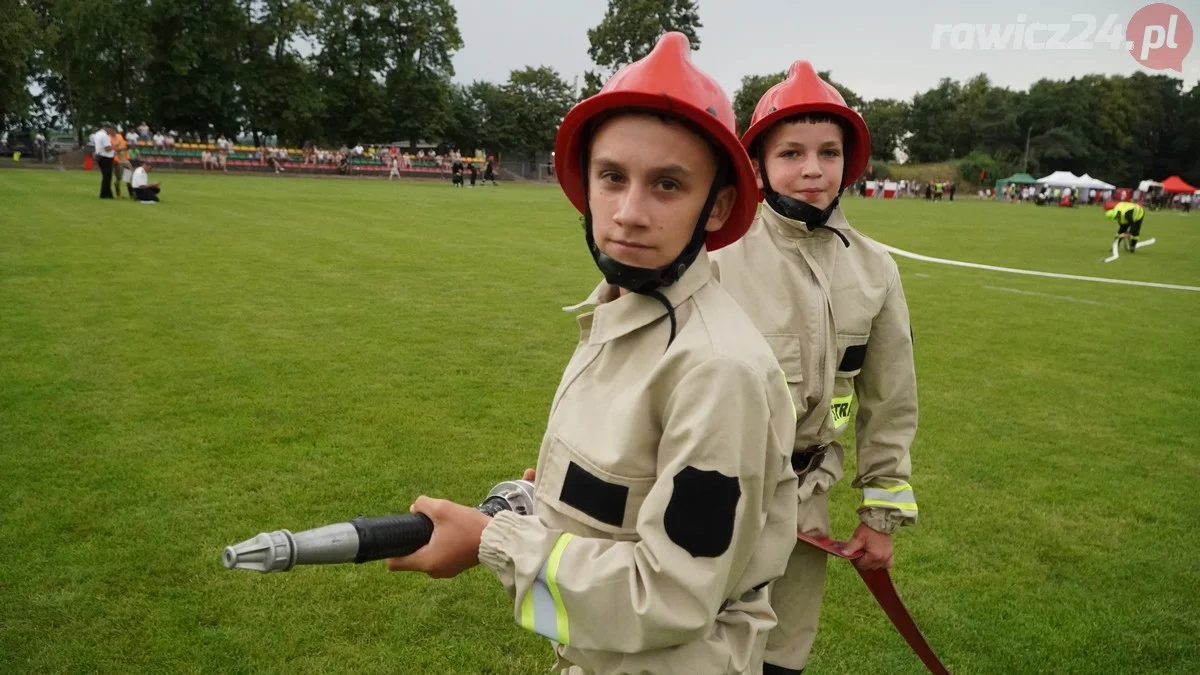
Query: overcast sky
pixel 880 49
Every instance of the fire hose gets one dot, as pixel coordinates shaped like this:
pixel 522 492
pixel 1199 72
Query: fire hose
pixel 879 582
pixel 362 539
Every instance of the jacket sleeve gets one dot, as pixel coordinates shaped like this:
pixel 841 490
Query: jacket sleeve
pixel 720 472
pixel 886 422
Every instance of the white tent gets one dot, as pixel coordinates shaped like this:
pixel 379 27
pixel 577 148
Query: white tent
pixel 1060 179
pixel 1145 185
pixel 1086 182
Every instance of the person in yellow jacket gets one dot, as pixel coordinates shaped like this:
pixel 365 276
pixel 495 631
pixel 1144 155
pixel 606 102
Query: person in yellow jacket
pixel 1129 217
pixel 665 499
pixel 830 303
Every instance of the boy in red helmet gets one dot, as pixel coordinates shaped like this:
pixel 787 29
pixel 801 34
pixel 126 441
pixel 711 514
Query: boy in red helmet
pixel 830 302
pixel 665 501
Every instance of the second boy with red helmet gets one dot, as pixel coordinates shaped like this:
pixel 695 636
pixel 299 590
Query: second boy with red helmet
pixel 830 303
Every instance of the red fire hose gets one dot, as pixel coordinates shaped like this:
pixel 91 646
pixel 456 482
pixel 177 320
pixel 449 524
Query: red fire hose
pixel 879 582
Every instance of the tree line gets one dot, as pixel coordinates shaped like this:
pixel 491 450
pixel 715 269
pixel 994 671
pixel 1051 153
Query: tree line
pixel 336 71
pixel 1118 128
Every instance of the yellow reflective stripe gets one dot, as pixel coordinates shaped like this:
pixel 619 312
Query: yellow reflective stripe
pixel 894 497
pixel 560 610
pixel 542 609
pixel 527 611
pixel 905 506
pixel 839 407
pixel 788 389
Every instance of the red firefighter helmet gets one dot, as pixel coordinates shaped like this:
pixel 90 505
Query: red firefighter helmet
pixel 665 80
pixel 805 92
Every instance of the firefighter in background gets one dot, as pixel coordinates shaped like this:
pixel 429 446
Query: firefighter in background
pixel 1129 217
pixel 665 500
pixel 829 301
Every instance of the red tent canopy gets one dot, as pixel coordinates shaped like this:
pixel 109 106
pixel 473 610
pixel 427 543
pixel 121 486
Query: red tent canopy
pixel 1177 184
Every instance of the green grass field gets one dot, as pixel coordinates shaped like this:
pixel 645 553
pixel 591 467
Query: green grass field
pixel 261 353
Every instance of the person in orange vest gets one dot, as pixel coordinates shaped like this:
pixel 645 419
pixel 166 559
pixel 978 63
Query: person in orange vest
pixel 124 172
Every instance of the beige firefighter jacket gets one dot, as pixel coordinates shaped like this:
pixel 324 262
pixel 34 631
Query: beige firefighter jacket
pixel 665 500
pixel 837 320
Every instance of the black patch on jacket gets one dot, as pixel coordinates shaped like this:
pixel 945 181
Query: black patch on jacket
pixel 702 511
pixel 595 496
pixel 853 358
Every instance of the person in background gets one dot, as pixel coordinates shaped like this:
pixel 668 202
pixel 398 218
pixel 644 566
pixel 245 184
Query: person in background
pixel 1129 217
pixel 489 170
pixel 102 149
pixel 122 169
pixel 143 190
pixel 456 171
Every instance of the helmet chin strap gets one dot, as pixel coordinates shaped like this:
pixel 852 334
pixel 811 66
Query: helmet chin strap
pixel 643 280
pixel 796 209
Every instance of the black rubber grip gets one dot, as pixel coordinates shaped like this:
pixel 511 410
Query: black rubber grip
pixel 391 536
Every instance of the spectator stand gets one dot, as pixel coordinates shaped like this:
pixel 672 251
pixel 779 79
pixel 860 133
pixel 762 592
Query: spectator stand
pixel 250 158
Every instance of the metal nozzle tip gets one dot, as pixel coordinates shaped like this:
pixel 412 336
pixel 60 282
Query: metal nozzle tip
pixel 268 552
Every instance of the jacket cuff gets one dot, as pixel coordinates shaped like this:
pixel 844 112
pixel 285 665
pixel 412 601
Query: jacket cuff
pixel 885 521
pixel 495 543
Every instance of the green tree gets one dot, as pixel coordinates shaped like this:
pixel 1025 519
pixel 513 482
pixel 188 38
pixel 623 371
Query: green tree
pixel 985 119
pixel 753 87
pixel 887 119
pixel 496 109
pixel 540 99
pixel 20 38
pixel 277 90
pixel 191 82
pixel 931 119
pixel 419 104
pixel 629 30
pixel 385 67
pixel 1188 148
pixel 93 58
pixel 350 69
pixel 422 39
pixel 1158 132
pixel 852 99
pixel 464 129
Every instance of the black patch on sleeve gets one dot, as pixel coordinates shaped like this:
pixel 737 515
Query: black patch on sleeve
pixel 702 511
pixel 594 496
pixel 853 358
